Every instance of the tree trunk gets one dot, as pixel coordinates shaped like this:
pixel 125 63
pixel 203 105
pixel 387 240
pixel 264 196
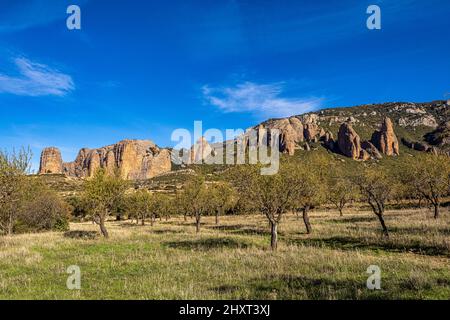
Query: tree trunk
pixel 340 212
pixel 218 213
pixel 152 219
pixel 143 221
pixel 274 235
pixel 306 220
pixel 436 210
pixel 118 217
pixel 10 225
pixel 185 217
pixel 197 223
pixel 383 225
pixel 103 228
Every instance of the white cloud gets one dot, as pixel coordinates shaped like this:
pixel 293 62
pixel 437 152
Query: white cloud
pixel 35 79
pixel 261 99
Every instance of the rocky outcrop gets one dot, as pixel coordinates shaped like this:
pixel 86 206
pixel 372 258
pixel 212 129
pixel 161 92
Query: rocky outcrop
pixel 425 121
pixel 51 161
pixel 385 139
pixel 201 151
pixel 349 142
pixel 415 145
pixel 134 159
pixel 371 150
pixel 328 141
pixel 293 131
pixel 441 136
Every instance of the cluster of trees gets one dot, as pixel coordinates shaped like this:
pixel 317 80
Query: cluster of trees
pixel 318 181
pixel 27 204
pixel 105 195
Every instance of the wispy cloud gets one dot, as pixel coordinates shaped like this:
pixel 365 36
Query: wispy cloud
pixel 36 79
pixel 260 99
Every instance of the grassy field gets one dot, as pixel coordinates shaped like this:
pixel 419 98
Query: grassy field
pixel 232 260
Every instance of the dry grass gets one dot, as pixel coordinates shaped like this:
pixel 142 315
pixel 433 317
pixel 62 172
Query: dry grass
pixel 233 261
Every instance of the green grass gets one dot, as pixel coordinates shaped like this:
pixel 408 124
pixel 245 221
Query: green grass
pixel 233 261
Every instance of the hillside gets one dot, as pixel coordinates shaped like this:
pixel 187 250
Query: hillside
pixel 417 127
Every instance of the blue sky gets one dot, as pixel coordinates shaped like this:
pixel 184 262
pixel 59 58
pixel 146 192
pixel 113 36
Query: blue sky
pixel 140 69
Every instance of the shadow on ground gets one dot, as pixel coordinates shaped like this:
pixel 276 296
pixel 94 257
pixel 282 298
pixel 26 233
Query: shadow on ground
pixel 347 243
pixel 293 287
pixel 241 229
pixel 207 244
pixel 167 231
pixel 81 234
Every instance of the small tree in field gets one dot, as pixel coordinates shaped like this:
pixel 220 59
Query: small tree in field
pixel 272 195
pixel 376 187
pixel 311 180
pixel 140 205
pixel 223 198
pixel 13 169
pixel 341 189
pixel 428 176
pixel 162 206
pixel 103 193
pixel 196 200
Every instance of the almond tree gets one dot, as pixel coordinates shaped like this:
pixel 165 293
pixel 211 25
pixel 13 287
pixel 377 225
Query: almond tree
pixel 272 195
pixel 223 198
pixel 196 199
pixel 103 194
pixel 311 179
pixel 376 187
pixel 140 204
pixel 428 176
pixel 341 189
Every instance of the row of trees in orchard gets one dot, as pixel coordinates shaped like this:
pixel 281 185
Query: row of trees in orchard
pixel 316 181
pixel 27 204
pixel 105 195
pixel 298 187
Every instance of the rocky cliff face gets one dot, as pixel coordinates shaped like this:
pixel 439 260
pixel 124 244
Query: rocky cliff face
pixel 51 161
pixel 295 132
pixel 135 159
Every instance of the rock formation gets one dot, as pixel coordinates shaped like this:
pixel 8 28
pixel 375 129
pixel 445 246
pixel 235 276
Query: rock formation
pixel 135 159
pixel 349 142
pixel 201 151
pixel 293 131
pixel 328 141
pixel 51 161
pixel 441 136
pixel 371 150
pixel 385 139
